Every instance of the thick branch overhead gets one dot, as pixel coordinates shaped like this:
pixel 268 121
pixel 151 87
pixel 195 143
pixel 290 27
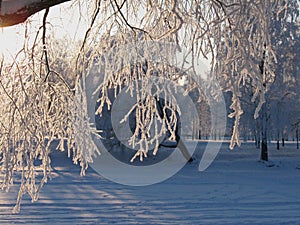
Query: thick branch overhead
pixel 14 12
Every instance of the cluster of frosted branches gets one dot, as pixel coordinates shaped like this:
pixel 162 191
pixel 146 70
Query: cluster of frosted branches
pixel 141 71
pixel 30 107
pixel 37 114
pixel 245 52
pixel 41 100
pixel 235 35
pixel 84 148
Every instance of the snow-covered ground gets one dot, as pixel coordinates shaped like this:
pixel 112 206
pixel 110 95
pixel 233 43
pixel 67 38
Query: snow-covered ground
pixel 236 189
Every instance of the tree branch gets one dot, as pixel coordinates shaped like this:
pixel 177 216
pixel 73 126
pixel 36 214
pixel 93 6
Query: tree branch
pixel 13 12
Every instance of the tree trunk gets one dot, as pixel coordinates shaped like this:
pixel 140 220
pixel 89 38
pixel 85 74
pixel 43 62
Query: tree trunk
pixel 184 151
pixel 257 142
pixel 17 11
pixel 278 146
pixel 264 136
pixel 264 143
pixel 297 138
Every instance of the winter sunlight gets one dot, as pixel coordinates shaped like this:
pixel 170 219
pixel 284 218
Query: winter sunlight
pixel 10 42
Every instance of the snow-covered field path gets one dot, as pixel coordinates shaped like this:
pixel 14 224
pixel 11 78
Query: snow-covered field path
pixel 235 189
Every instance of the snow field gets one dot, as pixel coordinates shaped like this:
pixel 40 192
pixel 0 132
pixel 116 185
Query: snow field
pixel 236 189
